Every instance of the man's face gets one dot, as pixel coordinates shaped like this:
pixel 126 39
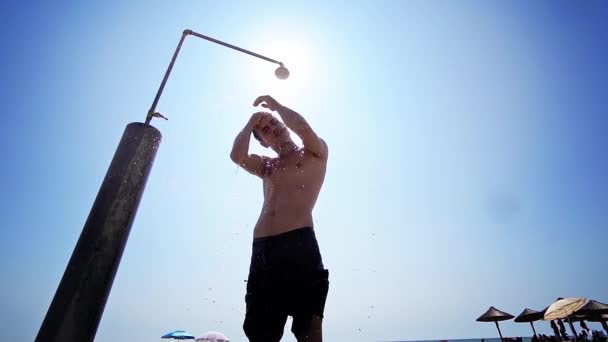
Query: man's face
pixel 271 131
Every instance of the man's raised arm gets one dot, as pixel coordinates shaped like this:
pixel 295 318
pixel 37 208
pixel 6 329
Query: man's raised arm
pixel 297 124
pixel 253 163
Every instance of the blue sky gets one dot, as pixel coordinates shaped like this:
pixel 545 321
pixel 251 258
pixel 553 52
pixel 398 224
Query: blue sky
pixel 466 164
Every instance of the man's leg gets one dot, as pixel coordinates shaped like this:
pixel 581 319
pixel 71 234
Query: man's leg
pixel 264 326
pixel 315 334
pixel 265 317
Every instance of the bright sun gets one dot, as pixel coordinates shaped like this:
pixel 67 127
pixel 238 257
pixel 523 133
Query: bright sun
pixel 299 58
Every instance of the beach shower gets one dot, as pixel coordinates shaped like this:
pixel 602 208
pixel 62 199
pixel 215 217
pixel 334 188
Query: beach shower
pixel 76 309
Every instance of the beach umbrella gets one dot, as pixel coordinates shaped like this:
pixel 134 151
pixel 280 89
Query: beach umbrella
pixel 495 315
pixel 592 313
pixel 529 315
pixel 592 318
pixel 592 308
pixel 179 335
pixel 212 336
pixel 601 319
pixel 563 308
pixel 553 325
pixel 577 318
pixel 598 318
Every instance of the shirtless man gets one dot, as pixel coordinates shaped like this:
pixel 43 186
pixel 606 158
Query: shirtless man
pixel 286 275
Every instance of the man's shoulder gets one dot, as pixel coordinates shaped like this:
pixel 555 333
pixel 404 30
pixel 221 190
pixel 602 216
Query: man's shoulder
pixel 323 152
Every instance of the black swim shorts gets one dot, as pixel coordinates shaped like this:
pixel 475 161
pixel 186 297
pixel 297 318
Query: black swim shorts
pixel 286 278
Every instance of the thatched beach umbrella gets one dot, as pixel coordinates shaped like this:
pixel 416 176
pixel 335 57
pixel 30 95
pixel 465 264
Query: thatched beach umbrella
pixel 563 308
pixel 593 311
pixel 495 315
pixel 598 318
pixel 592 308
pixel 602 319
pixel 577 318
pixel 594 318
pixel 529 315
pixel 581 319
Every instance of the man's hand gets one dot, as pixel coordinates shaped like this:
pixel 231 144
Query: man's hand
pixel 267 102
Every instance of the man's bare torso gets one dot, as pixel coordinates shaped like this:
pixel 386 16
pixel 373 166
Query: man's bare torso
pixel 291 187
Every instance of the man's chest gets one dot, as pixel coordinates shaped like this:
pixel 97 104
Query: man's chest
pixel 291 174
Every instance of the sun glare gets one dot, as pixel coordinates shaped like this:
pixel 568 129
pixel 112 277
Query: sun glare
pixel 298 56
